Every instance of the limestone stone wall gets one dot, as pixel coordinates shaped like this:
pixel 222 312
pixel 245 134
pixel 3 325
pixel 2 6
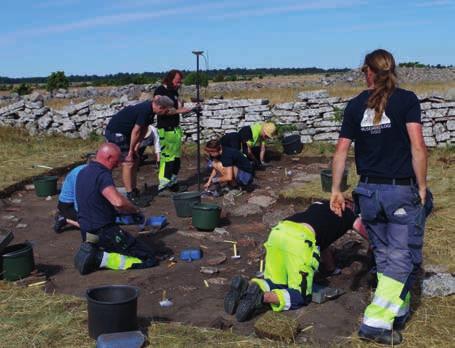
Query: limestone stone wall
pixel 314 115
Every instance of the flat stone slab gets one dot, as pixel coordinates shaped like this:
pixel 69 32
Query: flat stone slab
pixel 440 284
pixel 262 201
pixel 246 210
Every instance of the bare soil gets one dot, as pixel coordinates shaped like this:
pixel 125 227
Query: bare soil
pixel 194 302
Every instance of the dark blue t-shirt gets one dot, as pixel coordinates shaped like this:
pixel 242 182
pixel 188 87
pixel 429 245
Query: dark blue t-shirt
pixel 95 211
pixel 232 157
pixel 168 122
pixel 231 140
pixel 124 121
pixel 382 150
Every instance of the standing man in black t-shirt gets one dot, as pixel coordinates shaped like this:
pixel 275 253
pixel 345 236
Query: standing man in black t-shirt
pixel 391 159
pixel 229 166
pixel 127 129
pixel 293 250
pixel 170 132
pixel 105 244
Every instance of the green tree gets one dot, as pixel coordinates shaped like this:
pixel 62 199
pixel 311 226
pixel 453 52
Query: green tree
pixel 23 89
pixel 191 79
pixel 57 80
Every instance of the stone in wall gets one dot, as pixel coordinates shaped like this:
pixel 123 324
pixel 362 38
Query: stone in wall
pixel 211 123
pixel 451 125
pixel 312 95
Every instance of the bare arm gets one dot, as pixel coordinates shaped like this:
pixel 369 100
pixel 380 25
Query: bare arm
pixel 339 162
pixel 227 175
pixel 119 202
pixel 209 181
pixel 137 135
pixel 419 157
pixel 262 153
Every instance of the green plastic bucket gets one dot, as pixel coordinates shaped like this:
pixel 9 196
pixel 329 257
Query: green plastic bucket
pixel 326 180
pixel 45 185
pixel 205 216
pixel 183 202
pixel 17 261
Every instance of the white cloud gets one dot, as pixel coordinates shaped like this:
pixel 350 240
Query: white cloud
pixel 295 7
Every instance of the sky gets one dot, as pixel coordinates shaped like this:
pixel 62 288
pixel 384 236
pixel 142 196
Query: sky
pixel 110 36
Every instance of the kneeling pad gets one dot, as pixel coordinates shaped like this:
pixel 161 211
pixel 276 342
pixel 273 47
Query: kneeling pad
pixel 155 221
pixel 129 219
pixel 191 254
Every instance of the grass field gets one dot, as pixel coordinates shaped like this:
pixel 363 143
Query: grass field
pixel 19 153
pixel 32 318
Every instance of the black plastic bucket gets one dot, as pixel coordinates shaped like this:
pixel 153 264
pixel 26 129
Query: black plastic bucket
pixel 292 144
pixel 326 180
pixel 184 201
pixel 111 308
pixel 17 261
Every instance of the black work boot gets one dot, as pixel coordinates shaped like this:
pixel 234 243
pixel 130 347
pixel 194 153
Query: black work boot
pixel 59 223
pixel 88 258
pixel 135 198
pixel 237 288
pixel 251 301
pixel 386 337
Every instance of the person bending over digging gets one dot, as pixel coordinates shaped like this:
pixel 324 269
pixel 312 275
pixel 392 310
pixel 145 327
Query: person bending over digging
pixel 105 244
pixel 229 166
pixel 293 252
pixel 127 129
pixel 256 135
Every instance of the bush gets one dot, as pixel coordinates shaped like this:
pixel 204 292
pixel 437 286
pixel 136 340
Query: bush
pixel 231 78
pixel 57 80
pixel 218 78
pixel 191 79
pixel 23 89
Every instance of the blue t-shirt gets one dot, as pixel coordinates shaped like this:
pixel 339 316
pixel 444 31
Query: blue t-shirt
pixel 95 211
pixel 382 150
pixel 68 191
pixel 124 121
pixel 232 157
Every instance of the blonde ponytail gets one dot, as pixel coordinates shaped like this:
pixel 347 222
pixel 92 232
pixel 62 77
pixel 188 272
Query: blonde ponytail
pixel 382 64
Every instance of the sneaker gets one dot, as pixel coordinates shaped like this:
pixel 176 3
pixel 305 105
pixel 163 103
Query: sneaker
pixel 399 323
pixel 237 288
pixel 59 223
pixel 387 337
pixel 88 258
pixel 251 301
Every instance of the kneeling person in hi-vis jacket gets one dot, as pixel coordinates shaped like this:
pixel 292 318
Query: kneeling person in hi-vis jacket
pixel 293 252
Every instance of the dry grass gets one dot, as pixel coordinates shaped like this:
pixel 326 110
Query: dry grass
pixel 344 90
pixel 432 325
pixel 19 152
pixel 32 318
pixel 58 103
pixel 179 335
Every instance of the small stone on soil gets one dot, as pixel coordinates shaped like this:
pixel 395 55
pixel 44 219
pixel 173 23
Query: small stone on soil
pixel 21 226
pixel 48 198
pixel 209 270
pixel 29 187
pixel 217 281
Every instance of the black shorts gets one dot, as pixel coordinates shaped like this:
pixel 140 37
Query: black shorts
pixel 67 210
pixel 119 139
